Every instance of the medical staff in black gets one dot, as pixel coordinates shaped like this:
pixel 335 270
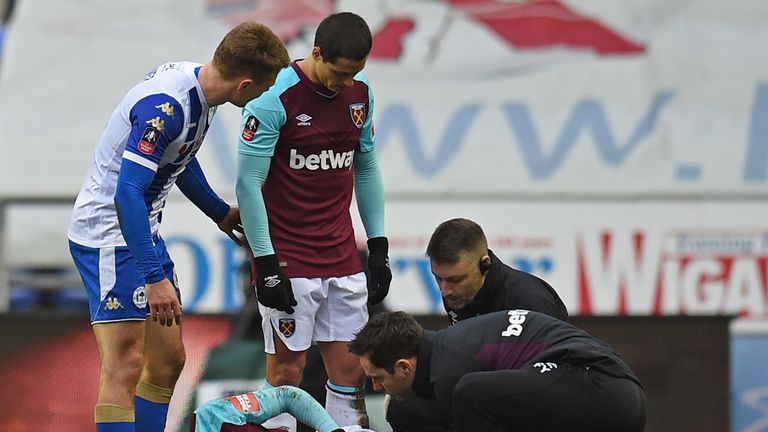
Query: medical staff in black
pixel 514 370
pixel 473 281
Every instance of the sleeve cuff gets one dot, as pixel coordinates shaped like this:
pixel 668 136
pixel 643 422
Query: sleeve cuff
pixel 220 212
pixel 155 276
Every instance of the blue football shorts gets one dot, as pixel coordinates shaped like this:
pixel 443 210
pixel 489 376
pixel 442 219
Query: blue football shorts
pixel 114 284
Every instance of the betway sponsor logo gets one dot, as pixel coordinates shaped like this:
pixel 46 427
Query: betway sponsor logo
pixel 691 273
pixel 325 160
pixel 516 320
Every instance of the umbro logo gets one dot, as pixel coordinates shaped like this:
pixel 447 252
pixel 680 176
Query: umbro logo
pixel 303 120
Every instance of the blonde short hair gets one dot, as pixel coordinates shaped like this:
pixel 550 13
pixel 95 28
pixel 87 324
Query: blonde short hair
pixel 250 49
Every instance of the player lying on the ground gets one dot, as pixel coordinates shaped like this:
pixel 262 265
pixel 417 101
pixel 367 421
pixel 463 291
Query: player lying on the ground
pixel 247 411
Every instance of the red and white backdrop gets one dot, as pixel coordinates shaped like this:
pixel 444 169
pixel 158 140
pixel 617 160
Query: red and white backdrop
pixel 603 258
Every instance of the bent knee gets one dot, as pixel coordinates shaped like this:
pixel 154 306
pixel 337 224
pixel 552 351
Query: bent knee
pixel 174 364
pixel 347 373
pixel 177 359
pixel 285 374
pixel 163 369
pixel 123 371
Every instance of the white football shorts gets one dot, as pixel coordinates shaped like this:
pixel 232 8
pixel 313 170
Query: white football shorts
pixel 328 310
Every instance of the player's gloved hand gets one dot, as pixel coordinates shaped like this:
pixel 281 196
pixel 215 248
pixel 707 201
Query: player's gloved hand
pixel 379 274
pixel 273 289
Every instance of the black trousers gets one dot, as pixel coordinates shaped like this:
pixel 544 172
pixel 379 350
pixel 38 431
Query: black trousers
pixel 565 398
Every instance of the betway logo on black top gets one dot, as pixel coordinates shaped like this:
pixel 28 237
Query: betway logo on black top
pixel 325 160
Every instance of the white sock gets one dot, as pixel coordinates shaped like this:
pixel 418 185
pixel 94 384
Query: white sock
pixel 346 408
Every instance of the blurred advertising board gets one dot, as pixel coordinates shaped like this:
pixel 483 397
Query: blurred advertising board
pixel 643 258
pixel 749 382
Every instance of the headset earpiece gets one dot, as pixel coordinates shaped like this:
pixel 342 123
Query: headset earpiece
pixel 484 264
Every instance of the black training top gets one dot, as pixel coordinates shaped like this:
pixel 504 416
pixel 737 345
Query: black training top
pixel 506 340
pixel 507 288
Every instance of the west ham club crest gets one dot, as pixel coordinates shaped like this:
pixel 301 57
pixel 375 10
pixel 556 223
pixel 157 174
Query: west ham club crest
pixel 357 112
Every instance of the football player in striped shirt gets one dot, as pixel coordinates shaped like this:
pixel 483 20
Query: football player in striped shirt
pixel 148 146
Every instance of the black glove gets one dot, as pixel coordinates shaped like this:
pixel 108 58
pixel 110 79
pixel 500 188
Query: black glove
pixel 273 289
pixel 379 274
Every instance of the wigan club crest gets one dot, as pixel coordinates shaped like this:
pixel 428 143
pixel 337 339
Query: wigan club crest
pixel 357 112
pixel 287 326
